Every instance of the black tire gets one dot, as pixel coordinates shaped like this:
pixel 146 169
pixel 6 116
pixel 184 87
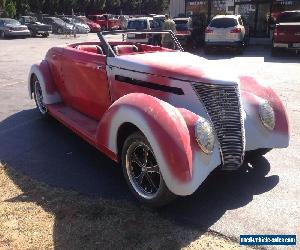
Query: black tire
pixel 275 51
pixel 207 50
pixel 59 30
pixel 144 180
pixel 38 97
pixel 32 33
pixel 240 50
pixel 45 35
pixel 2 34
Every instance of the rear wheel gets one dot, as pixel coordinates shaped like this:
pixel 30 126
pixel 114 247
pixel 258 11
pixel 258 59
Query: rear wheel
pixel 32 33
pixel 2 34
pixel 240 50
pixel 275 51
pixel 142 173
pixel 207 50
pixel 38 97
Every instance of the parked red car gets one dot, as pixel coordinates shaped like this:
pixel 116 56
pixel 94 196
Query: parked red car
pixel 286 34
pixel 106 21
pixel 167 116
pixel 95 27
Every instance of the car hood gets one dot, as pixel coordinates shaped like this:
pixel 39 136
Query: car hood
pixel 176 65
pixel 15 26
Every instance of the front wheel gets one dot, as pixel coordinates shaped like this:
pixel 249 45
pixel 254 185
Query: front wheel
pixel 142 173
pixel 59 30
pixel 45 35
pixel 38 97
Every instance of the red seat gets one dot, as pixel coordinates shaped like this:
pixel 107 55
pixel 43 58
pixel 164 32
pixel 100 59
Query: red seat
pixel 125 49
pixel 90 48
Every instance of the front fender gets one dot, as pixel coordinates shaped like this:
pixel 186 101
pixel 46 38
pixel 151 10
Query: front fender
pixel 182 165
pixel 42 72
pixel 257 136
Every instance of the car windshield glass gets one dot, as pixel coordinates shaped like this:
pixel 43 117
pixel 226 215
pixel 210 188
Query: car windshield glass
pixel 79 20
pixel 289 17
pixel 12 22
pixel 159 22
pixel 223 23
pixel 58 21
pixel 83 19
pixel 137 24
pixel 30 19
pixel 181 25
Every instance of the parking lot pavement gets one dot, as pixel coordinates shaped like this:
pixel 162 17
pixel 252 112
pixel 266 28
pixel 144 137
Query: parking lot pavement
pixel 261 198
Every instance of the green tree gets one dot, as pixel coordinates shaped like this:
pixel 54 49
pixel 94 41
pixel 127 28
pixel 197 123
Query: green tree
pixel 10 9
pixel 2 4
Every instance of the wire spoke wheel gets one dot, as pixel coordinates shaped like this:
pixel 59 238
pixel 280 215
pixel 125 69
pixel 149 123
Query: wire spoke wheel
pixel 142 170
pixel 39 97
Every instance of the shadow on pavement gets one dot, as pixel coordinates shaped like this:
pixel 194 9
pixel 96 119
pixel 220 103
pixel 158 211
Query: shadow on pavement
pixel 46 151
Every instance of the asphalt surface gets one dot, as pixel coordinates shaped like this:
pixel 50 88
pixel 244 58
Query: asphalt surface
pixel 261 198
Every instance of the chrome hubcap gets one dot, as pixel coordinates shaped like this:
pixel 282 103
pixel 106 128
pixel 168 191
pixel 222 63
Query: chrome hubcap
pixel 143 170
pixel 39 98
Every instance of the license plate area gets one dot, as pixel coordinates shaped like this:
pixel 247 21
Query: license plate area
pixel 296 45
pixel 130 36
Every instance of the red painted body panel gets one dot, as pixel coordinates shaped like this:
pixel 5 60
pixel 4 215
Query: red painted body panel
pixel 105 22
pixel 48 78
pixel 250 85
pixel 53 58
pixel 82 125
pixel 166 130
pixel 85 87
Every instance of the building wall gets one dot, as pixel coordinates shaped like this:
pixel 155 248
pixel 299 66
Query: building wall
pixel 177 7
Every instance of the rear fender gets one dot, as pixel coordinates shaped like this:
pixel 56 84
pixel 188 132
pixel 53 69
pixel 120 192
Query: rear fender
pixel 49 90
pixel 169 135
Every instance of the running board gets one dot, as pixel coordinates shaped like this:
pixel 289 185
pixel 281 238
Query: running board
pixel 81 124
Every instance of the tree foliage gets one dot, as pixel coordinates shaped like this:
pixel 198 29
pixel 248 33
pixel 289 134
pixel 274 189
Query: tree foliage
pixel 85 6
pixel 9 8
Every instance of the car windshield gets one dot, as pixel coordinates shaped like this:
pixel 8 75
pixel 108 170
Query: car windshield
pixel 289 17
pixel 12 22
pixel 30 19
pixel 137 24
pixel 82 19
pixel 58 21
pixel 181 25
pixel 223 23
pixel 67 20
pixel 159 21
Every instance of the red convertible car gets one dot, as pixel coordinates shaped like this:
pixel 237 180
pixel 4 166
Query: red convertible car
pixel 168 117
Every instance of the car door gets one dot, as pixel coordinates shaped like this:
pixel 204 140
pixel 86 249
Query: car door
pixel 85 82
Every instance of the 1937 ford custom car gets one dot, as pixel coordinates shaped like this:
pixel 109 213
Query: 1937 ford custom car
pixel 166 115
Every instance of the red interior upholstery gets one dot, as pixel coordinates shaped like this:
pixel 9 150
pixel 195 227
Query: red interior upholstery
pixel 90 48
pixel 125 49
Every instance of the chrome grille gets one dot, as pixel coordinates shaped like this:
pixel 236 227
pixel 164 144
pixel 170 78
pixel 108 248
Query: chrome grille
pixel 222 103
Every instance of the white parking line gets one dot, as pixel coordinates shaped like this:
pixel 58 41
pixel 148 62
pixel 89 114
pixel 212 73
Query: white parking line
pixel 11 84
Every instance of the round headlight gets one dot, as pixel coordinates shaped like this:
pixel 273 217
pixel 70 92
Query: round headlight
pixel 267 115
pixel 205 135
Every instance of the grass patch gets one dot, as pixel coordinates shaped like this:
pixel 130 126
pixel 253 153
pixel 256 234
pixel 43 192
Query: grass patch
pixel 36 216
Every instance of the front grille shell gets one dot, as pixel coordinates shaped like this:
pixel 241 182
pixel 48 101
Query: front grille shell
pixel 223 105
